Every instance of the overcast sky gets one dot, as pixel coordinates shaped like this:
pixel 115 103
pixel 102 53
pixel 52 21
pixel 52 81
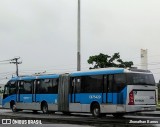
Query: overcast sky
pixel 44 33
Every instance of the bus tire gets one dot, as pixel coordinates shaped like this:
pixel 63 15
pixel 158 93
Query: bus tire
pixel 13 107
pixel 44 108
pixel 95 110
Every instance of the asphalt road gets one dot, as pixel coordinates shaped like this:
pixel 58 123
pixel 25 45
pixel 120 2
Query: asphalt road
pixel 76 120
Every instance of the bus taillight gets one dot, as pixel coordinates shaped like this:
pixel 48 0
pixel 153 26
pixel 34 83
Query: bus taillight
pixel 131 98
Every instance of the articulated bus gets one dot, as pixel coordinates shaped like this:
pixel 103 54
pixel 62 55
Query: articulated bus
pixel 100 91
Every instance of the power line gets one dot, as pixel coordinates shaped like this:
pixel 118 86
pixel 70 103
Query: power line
pixel 5 60
pixel 4 63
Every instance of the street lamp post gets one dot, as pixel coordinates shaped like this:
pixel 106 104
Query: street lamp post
pixel 78 39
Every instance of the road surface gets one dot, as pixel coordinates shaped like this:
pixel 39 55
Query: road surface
pixel 77 119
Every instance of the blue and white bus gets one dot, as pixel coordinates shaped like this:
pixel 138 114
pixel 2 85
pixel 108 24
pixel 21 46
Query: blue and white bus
pixel 31 93
pixel 101 91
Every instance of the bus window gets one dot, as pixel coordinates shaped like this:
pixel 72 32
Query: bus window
pixel 92 84
pixel 119 81
pixel 44 86
pixel 37 84
pixel 78 85
pixel 21 87
pixel 55 86
pixel 105 88
pixel 25 87
pixel 13 88
pixel 140 79
pixel 28 87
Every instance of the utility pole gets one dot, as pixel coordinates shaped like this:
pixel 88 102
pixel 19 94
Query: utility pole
pixel 78 38
pixel 15 61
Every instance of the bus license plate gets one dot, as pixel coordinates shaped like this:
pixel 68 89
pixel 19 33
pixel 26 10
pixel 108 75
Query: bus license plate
pixel 146 108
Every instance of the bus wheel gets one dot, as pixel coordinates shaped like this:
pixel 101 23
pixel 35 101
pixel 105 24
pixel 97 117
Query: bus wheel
pixel 118 115
pixel 96 110
pixel 13 107
pixel 44 108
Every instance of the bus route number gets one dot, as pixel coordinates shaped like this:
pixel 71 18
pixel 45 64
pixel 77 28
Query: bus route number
pixel 94 96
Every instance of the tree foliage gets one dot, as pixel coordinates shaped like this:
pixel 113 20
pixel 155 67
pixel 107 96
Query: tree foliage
pixel 104 61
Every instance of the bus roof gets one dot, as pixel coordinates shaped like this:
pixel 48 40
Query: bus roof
pixel 98 72
pixel 35 77
pixel 23 78
pixel 47 76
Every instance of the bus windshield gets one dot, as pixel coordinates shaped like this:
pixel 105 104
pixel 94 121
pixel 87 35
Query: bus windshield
pixel 10 88
pixel 140 79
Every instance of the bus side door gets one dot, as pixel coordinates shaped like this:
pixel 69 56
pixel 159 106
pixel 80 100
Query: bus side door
pixel 25 91
pixel 110 84
pixel 75 96
pixel 75 90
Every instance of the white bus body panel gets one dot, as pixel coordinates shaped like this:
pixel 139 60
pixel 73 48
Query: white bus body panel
pixel 144 98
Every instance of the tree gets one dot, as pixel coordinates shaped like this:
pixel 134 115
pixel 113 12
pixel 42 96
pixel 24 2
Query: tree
pixel 104 61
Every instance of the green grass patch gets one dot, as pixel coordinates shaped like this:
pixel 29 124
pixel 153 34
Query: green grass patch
pixel 158 105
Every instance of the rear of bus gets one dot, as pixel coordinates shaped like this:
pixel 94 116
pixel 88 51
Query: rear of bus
pixel 141 91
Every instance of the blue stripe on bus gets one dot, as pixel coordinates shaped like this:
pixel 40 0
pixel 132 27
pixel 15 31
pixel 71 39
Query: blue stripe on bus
pixel 97 72
pixel 112 98
pixel 88 98
pixel 49 98
pixel 8 99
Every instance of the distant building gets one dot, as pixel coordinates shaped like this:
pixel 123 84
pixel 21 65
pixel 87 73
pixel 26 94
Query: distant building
pixel 144 59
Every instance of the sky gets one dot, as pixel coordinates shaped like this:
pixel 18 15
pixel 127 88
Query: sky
pixel 43 33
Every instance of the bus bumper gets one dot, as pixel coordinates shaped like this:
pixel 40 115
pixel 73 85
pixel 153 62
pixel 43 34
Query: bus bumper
pixel 112 108
pixel 126 108
pixel 138 108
